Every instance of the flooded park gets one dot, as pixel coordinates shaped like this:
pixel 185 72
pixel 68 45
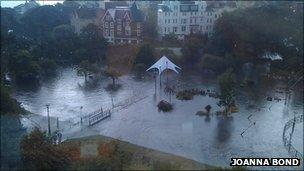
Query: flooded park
pixel 256 130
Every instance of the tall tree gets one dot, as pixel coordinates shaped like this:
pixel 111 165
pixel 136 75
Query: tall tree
pixel 23 67
pixel 145 55
pixel 38 153
pixel 94 43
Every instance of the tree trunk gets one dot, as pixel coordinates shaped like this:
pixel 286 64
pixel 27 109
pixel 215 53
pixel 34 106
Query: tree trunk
pixel 85 77
pixel 113 81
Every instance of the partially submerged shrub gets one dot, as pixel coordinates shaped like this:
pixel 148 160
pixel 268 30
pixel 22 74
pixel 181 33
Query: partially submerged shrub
pixel 113 87
pixel 184 95
pixel 164 106
pixel 188 94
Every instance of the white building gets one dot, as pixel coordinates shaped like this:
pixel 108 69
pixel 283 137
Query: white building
pixel 185 17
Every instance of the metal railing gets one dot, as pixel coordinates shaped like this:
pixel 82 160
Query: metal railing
pixel 99 116
pixel 287 140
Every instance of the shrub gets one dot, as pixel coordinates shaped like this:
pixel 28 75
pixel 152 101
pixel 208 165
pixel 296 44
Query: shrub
pixel 212 62
pixel 164 106
pixel 38 153
pixel 184 95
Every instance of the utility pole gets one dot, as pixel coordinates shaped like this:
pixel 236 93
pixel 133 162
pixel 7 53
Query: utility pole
pixel 81 115
pixel 155 82
pixel 57 123
pixel 48 116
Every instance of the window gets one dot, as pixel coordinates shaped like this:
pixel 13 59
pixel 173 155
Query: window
pixel 175 7
pixel 119 27
pixel 190 20
pixel 112 25
pixel 184 21
pixel 165 29
pixel 165 21
pixel 111 32
pixel 106 33
pixel 128 31
pixel 106 24
pixel 138 32
pixel 191 13
pixel 174 29
pixel 215 15
pixel 168 20
pixel 183 28
pixel 184 14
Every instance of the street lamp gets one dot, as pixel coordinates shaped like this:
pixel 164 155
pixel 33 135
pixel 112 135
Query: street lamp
pixel 48 115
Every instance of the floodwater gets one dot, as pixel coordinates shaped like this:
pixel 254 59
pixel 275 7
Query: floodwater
pixel 211 140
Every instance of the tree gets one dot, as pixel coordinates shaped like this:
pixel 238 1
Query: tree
pixel 39 21
pixel 212 62
pixel 9 106
pixel 38 153
pixel 227 87
pixel 251 32
pixel 113 73
pixel 150 25
pixel 23 67
pixel 193 48
pixel 65 42
pixel 94 43
pixel 171 38
pixel 145 55
pixel 85 68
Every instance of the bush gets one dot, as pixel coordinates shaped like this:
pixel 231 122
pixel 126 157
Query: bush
pixel 164 106
pixel 227 84
pixel 212 62
pixel 38 153
pixel 184 95
pixel 139 69
pixel 8 105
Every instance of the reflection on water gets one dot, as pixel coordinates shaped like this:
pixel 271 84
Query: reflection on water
pixel 211 140
pixel 224 128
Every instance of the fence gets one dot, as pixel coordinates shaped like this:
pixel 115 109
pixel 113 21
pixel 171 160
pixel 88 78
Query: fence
pixel 98 117
pixel 287 141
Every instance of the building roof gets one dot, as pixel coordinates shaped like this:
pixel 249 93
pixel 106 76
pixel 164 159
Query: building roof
pixel 119 12
pixel 164 8
pixel 136 14
pixel 114 4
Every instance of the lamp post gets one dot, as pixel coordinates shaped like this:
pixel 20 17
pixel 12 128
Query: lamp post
pixel 81 115
pixel 155 81
pixel 48 116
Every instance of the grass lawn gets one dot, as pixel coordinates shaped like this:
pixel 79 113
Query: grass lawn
pixel 100 152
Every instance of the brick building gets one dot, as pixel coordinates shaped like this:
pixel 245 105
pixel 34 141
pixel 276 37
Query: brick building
pixel 118 24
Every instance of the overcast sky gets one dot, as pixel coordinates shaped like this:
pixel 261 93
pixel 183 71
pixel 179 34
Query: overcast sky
pixel 15 3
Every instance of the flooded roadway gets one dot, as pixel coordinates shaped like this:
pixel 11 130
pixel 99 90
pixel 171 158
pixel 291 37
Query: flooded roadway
pixel 211 141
